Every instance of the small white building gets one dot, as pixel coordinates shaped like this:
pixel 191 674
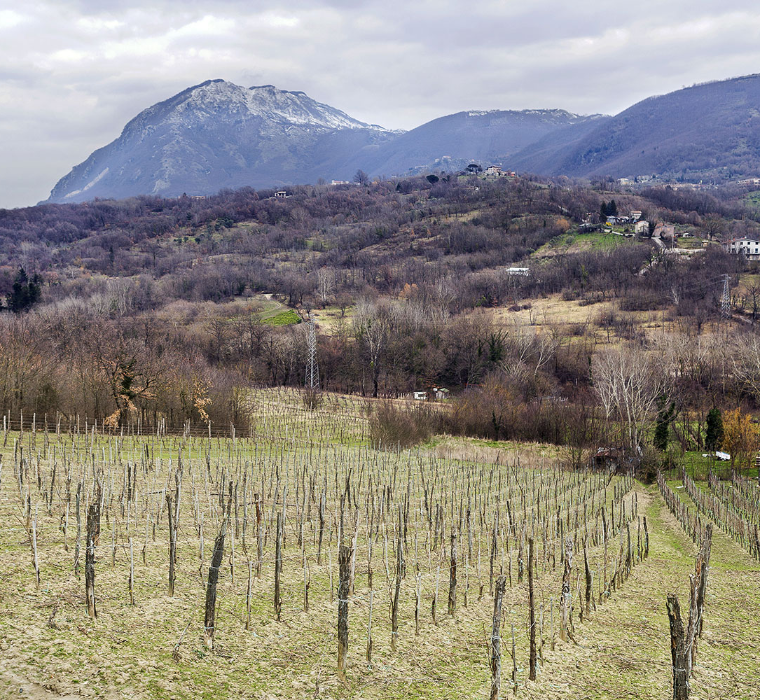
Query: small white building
pixel 749 247
pixel 519 271
pixel 635 215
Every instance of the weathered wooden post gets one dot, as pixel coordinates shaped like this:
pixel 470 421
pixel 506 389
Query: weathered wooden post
pixel 79 529
pixel 453 575
pixel 532 605
pixel 93 533
pixel 678 650
pixel 172 544
pixel 278 568
pixel 501 584
pixel 397 590
pixel 259 536
pixel 566 599
pixel 213 578
pixel 588 582
pixel 35 557
pixel 248 597
pixel 344 565
pixel 646 538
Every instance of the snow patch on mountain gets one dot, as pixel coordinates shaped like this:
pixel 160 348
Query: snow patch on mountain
pixel 267 102
pixel 90 184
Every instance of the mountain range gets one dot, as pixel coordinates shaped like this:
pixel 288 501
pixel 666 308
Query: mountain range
pixel 220 135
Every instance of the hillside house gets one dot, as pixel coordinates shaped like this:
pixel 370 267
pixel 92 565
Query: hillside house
pixel 494 171
pixel 641 228
pixel 437 393
pixel 608 458
pixel 635 215
pixel 519 271
pixel 280 195
pixel 749 247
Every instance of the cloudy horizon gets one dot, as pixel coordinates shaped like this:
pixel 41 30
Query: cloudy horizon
pixel 73 73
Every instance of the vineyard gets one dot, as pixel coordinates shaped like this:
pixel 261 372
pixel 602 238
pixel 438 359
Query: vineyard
pixel 298 560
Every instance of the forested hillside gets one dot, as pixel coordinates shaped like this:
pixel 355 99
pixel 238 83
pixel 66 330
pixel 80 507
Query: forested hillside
pixel 167 309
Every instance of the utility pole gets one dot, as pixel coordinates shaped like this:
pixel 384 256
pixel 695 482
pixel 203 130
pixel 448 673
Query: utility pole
pixel 312 369
pixel 725 299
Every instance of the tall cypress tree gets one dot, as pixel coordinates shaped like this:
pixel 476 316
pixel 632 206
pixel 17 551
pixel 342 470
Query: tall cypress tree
pixel 664 418
pixel 714 435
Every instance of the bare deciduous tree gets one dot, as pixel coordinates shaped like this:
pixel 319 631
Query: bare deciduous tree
pixel 628 382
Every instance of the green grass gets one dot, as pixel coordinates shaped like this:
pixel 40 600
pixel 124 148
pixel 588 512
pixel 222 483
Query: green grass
pixel 283 318
pixel 574 242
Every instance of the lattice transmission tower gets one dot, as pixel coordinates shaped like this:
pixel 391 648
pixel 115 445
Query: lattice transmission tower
pixel 725 299
pixel 312 368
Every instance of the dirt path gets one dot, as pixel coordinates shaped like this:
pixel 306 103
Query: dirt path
pixel 625 651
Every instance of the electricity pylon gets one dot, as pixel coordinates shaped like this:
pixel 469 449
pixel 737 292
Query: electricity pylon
pixel 725 299
pixel 312 368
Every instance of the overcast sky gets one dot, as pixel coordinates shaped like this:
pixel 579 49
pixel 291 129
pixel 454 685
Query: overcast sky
pixel 72 73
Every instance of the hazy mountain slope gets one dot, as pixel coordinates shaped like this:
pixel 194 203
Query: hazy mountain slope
pixel 542 155
pixel 217 135
pixel 706 130
pixel 456 139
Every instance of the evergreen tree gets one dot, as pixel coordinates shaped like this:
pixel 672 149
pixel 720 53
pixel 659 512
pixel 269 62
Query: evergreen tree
pixel 662 428
pixel 714 435
pixel 25 293
pixel 603 210
pixel 612 208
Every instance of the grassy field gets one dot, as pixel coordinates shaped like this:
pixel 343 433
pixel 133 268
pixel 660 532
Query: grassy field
pixel 578 242
pixel 492 496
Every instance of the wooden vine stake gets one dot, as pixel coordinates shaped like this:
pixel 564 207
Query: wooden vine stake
pixel 453 575
pixel 278 569
pixel 213 578
pixel 501 584
pixel 344 565
pixel 532 605
pixel 172 544
pixel 131 573
pixel 93 534
pixel 566 599
pixel 678 650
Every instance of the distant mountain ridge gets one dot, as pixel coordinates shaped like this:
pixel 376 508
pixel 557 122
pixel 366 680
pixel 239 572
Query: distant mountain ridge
pixel 710 130
pixel 451 142
pixel 218 134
